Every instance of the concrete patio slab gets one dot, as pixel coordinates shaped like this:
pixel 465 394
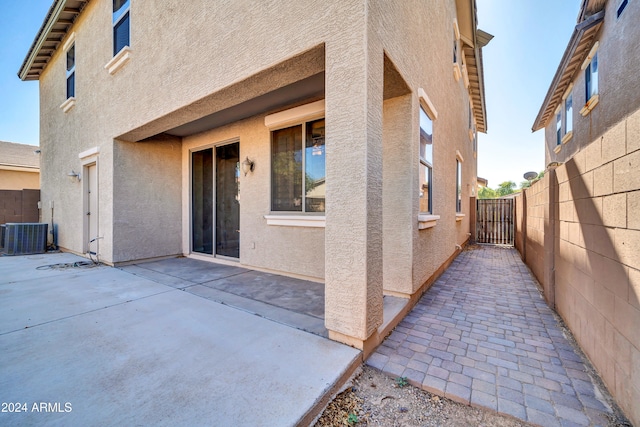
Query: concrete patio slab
pixel 290 301
pixel 126 350
pixel 483 335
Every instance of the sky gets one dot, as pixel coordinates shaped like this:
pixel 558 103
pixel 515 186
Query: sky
pixel 530 37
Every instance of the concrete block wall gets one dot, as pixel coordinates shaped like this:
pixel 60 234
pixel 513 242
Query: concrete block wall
pixel 595 266
pixel 19 206
pixel 532 218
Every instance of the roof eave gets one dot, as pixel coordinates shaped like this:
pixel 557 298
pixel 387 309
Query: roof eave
pixel 480 66
pixel 45 29
pixel 59 19
pixel 579 32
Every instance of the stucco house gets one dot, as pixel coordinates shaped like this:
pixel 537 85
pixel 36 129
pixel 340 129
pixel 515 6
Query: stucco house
pixel 328 140
pixel 582 226
pixel 19 166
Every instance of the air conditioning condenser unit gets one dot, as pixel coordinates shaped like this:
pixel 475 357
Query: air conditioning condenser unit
pixel 24 238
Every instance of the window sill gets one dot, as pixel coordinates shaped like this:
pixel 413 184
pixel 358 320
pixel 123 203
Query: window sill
pixel 315 221
pixel 459 216
pixel 567 137
pixel 591 103
pixel 68 104
pixel 119 60
pixel 457 72
pixel 427 221
pixel 557 149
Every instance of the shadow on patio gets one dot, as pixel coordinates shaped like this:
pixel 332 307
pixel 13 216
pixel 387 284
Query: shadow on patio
pixel 292 302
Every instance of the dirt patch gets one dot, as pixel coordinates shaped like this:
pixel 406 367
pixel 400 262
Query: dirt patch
pixel 375 399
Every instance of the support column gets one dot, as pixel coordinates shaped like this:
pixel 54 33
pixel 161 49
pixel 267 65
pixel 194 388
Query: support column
pixel 550 241
pixel 353 233
pixel 399 148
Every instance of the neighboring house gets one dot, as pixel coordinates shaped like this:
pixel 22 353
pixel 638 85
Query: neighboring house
pixel 198 128
pixel 582 227
pixel 19 182
pixel 19 166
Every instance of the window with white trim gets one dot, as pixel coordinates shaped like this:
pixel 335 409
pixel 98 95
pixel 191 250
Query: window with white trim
pixel 71 71
pixel 458 186
pixel 559 128
pixel 298 175
pixel 426 162
pixel 121 25
pixel 591 78
pixel 568 114
pixel 457 54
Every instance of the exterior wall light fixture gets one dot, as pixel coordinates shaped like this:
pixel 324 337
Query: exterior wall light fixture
pixel 74 176
pixel 248 166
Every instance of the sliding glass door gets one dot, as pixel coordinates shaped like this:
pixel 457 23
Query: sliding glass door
pixel 215 204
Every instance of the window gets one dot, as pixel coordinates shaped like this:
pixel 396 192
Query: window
pixel 120 24
pixel 297 174
pixel 71 71
pixel 623 4
pixel 426 162
pixel 559 128
pixel 591 78
pixel 458 186
pixel 457 55
pixel 568 114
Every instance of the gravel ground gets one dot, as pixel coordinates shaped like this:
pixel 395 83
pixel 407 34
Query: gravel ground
pixel 375 399
pixel 372 398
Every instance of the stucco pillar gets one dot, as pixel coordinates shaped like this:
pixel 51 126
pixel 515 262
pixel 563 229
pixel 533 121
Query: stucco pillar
pixel 353 234
pixel 398 187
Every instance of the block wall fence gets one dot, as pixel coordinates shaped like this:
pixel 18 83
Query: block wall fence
pixel 578 230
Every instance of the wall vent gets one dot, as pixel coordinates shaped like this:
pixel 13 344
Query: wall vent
pixel 24 238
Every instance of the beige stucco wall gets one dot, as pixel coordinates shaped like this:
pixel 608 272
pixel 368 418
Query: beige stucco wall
pixel 18 180
pixel 619 90
pixel 150 86
pixel 294 250
pixel 148 195
pixel 190 61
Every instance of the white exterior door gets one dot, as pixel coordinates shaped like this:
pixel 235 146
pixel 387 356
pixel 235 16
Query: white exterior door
pixel 91 197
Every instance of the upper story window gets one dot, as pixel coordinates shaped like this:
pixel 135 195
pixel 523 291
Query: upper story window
pixel 591 78
pixel 559 128
pixel 120 24
pixel 591 67
pixel 426 162
pixel 298 168
pixel 568 114
pixel 457 54
pixel 621 8
pixel 458 186
pixel 71 71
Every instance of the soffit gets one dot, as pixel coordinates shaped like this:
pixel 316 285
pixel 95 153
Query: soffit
pixel 581 41
pixel 57 23
pixel 473 40
pixel 303 90
pixel 473 58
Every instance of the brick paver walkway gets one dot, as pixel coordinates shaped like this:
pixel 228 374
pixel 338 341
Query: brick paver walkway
pixel 483 335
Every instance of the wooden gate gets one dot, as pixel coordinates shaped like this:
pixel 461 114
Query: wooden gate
pixel 494 221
